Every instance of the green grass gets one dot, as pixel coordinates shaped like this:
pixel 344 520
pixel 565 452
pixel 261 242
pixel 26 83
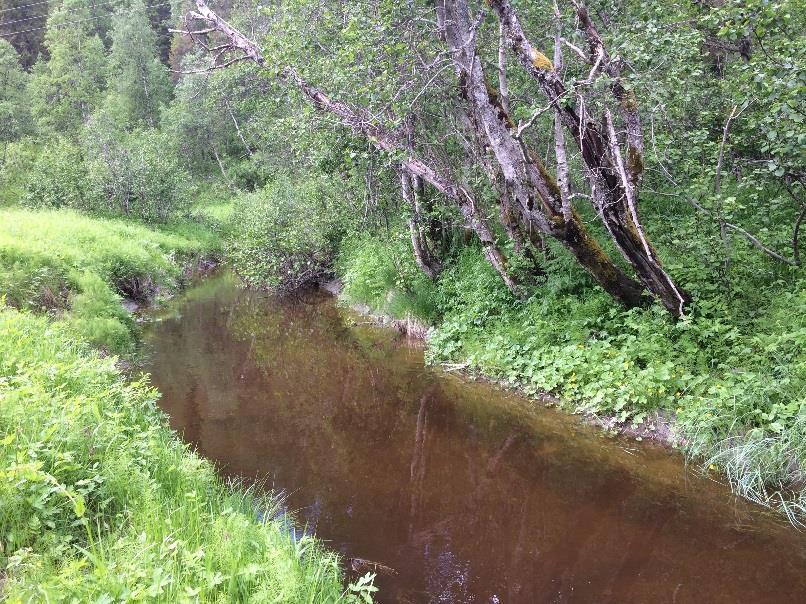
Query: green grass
pixel 78 267
pixel 382 274
pixel 100 501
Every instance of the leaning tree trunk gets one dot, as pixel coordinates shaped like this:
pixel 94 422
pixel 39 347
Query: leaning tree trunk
pixel 615 179
pixel 528 182
pixel 360 123
pixel 423 255
pixel 536 193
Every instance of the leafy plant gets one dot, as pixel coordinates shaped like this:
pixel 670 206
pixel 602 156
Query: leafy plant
pixel 284 236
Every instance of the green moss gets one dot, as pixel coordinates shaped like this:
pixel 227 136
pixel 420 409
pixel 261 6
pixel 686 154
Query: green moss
pixel 628 101
pixel 635 162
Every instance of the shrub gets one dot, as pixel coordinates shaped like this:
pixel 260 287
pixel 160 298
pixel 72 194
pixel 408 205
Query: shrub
pixel 137 175
pixel 113 173
pixel 284 236
pixel 16 169
pixel 59 178
pixel 382 273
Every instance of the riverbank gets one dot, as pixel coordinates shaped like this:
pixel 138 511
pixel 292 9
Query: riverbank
pixel 459 487
pixel 725 384
pixel 78 269
pixel 658 426
pixel 98 497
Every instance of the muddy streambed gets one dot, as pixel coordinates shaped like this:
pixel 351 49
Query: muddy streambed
pixel 467 492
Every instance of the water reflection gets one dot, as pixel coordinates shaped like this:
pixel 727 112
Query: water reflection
pixel 460 489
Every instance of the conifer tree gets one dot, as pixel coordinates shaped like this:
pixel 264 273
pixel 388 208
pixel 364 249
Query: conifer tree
pixel 139 83
pixel 14 114
pixel 68 87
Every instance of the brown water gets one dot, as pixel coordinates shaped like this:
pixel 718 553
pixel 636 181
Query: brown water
pixel 468 493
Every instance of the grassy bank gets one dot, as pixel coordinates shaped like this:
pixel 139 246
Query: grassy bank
pixel 78 267
pixel 730 379
pixel 99 500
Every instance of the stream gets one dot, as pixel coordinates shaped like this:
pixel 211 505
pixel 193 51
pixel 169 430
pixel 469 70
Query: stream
pixel 469 493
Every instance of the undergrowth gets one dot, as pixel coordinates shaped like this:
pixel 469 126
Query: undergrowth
pixel 383 275
pixel 100 501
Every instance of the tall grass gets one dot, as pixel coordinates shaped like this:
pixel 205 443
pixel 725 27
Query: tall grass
pixel 382 274
pixel 100 501
pixel 79 267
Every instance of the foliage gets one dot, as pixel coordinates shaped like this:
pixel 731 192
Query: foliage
pixel 68 87
pixel 134 174
pixel 63 262
pixel 99 500
pixel 14 109
pixel 283 237
pixel 730 378
pixel 27 44
pixel 114 137
pixel 111 173
pixel 381 273
pixel 59 178
pixel 139 81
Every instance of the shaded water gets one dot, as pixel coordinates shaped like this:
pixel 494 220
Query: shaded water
pixel 465 492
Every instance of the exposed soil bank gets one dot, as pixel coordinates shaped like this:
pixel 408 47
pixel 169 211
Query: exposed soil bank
pixel 148 294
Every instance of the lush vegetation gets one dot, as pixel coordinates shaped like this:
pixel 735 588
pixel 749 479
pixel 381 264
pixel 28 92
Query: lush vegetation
pixel 721 203
pixel 99 500
pixel 606 207
pixel 78 268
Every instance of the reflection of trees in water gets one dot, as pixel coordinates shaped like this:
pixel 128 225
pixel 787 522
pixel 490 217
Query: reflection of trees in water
pixel 425 475
pixel 418 460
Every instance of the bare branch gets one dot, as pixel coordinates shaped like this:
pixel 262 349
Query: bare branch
pixel 718 175
pixel 563 180
pixel 577 50
pixel 210 68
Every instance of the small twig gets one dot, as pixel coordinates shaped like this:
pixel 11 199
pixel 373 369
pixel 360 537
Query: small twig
pixel 795 233
pixel 577 50
pixel 210 68
pixel 718 176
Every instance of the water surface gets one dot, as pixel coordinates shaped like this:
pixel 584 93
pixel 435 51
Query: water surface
pixel 468 493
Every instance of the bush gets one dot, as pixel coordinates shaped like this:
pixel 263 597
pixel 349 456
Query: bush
pixel 284 236
pixel 59 178
pixel 382 273
pixel 16 170
pixel 115 174
pixel 137 175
